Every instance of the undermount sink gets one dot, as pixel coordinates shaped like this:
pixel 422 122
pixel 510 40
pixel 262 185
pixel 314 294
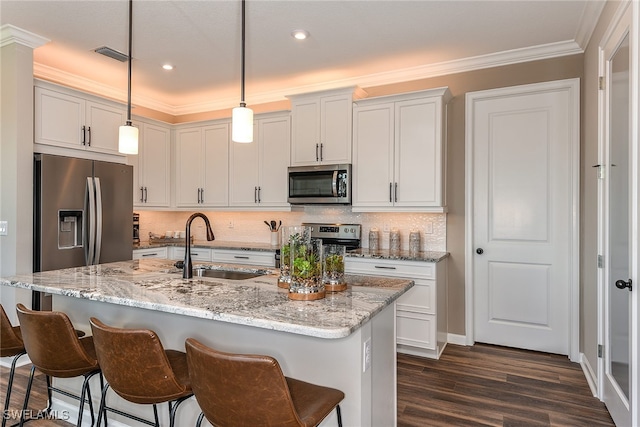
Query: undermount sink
pixel 224 274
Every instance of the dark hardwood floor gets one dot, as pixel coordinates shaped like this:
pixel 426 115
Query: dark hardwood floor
pixel 481 385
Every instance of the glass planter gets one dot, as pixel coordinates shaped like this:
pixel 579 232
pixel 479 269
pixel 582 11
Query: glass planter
pixel 292 233
pixel 306 270
pixel 333 268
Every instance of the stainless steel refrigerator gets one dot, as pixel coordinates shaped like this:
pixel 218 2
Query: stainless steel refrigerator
pixel 83 214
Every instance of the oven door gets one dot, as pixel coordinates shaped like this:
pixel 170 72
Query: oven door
pixel 320 185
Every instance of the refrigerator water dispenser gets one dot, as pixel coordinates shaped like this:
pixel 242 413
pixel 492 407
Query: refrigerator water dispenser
pixel 70 229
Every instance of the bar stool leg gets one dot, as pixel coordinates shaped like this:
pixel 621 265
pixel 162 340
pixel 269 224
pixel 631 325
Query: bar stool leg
pixel 27 395
pixel 200 418
pixel 339 415
pixel 174 408
pixel 9 387
pixel 155 415
pixel 102 406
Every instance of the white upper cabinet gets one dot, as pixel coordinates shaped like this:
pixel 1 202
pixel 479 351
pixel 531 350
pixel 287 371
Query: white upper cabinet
pixel 322 126
pixel 69 119
pixel 258 171
pixel 202 171
pixel 152 165
pixel 399 152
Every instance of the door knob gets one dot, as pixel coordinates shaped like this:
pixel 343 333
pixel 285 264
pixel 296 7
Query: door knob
pixel 479 251
pixel 621 284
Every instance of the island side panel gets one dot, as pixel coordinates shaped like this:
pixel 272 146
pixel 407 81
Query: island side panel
pixel 370 397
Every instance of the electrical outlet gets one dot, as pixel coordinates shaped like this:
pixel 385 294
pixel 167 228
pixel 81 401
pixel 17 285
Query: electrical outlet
pixel 366 355
pixel 4 228
pixel 230 223
pixel 428 228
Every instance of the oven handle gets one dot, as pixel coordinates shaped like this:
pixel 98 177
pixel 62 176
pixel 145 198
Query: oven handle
pixel 334 183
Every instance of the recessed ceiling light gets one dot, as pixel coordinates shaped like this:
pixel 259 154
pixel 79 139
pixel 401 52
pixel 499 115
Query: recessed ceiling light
pixel 167 67
pixel 300 34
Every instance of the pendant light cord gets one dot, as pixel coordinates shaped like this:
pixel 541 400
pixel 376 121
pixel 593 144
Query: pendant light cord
pixel 242 103
pixel 129 76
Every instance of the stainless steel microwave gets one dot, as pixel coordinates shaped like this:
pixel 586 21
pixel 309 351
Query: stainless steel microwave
pixel 322 184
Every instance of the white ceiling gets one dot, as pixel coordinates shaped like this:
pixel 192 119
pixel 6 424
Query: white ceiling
pixel 351 42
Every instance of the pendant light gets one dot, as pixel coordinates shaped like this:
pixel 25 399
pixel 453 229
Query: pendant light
pixel 242 117
pixel 128 134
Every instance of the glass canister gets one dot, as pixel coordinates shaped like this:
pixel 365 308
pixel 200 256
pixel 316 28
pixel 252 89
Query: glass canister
pixel 306 270
pixel 374 239
pixel 394 240
pixel 414 241
pixel 333 268
pixel 292 233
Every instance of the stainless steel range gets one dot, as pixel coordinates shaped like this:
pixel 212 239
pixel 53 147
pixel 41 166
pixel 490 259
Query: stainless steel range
pixel 337 234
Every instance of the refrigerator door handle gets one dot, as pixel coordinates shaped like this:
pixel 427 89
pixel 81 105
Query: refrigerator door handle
pixel 96 259
pixel 90 212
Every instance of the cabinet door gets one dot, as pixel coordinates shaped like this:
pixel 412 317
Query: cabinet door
pixel 216 168
pixel 58 119
pixel 102 127
pixel 418 166
pixel 154 161
pixel 305 138
pixel 373 155
pixel 243 174
pixel 275 140
pixel 335 129
pixel 189 165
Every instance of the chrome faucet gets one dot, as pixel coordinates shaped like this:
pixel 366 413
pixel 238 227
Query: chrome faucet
pixel 187 269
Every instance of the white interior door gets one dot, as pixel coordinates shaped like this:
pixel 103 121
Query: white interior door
pixel 522 145
pixel 616 230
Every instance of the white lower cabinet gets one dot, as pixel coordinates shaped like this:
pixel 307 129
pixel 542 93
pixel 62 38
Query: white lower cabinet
pixel 197 254
pixel 240 256
pixel 150 253
pixel 421 313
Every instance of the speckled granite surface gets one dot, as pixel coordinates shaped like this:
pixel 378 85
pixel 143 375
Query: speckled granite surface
pixel 399 255
pixel 155 284
pixel 215 244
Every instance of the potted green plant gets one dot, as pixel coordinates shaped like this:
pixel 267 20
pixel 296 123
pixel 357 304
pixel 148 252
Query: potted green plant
pixel 333 268
pixel 306 269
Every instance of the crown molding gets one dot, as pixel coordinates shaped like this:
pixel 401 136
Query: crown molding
pixel 588 22
pixel 515 56
pixel 11 34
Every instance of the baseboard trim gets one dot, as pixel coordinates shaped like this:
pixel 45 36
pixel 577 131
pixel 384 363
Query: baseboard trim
pixel 457 339
pixel 589 374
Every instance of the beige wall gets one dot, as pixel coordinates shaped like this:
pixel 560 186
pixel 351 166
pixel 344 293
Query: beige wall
pixel 459 85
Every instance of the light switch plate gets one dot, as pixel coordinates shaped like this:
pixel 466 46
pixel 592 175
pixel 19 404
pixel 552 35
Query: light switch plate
pixel 4 228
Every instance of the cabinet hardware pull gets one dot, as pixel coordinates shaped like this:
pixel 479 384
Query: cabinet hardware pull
pixel 316 152
pixel 395 193
pixel 321 146
pixel 89 139
pixel 390 191
pixel 145 194
pixel 240 257
pixel 198 195
pixel 141 194
pixel 153 254
pixel 255 194
pixel 385 267
pixel 84 130
pixel 202 195
pixel 259 191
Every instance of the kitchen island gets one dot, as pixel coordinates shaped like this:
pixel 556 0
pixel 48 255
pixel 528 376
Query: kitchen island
pixel 322 341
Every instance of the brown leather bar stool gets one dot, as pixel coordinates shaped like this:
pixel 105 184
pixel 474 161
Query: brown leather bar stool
pixel 139 369
pixel 11 345
pixel 55 349
pixel 250 390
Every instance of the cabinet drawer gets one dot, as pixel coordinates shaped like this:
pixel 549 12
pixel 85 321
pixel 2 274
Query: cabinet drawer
pixel 244 257
pixel 421 298
pixel 150 253
pixel 391 268
pixel 197 254
pixel 416 329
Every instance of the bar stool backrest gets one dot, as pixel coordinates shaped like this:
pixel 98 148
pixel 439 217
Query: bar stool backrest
pixel 239 389
pixel 10 336
pixel 53 345
pixel 134 363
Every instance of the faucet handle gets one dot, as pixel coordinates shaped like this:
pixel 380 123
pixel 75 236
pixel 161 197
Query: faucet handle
pixel 179 264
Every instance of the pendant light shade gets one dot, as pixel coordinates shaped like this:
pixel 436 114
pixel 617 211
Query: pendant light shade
pixel 128 134
pixel 242 117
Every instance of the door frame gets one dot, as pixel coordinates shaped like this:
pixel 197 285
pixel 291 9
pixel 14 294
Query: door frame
pixel 634 75
pixel 573 87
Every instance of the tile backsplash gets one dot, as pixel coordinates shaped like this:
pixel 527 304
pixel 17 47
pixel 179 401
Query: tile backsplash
pixel 249 226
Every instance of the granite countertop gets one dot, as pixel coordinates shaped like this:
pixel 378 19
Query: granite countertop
pixel 155 284
pixel 426 256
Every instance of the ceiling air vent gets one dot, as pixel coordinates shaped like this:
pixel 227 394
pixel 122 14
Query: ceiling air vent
pixel 112 53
